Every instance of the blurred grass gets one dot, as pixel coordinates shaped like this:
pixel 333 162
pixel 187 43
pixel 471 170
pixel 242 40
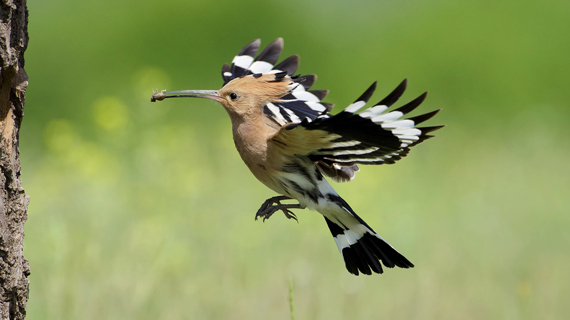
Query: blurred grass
pixel 145 211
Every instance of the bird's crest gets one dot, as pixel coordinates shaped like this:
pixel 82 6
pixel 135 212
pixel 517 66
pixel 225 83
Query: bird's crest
pixel 300 104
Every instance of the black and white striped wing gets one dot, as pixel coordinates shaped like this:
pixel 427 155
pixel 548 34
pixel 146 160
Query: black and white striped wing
pixel 372 136
pixel 299 105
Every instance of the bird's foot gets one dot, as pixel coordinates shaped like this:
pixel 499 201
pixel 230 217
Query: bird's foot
pixel 270 202
pixel 272 205
pixel 268 212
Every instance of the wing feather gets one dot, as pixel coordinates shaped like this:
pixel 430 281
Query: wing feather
pixel 338 143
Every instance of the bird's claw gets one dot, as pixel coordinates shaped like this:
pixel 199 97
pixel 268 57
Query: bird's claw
pixel 272 205
pixel 269 211
pixel 289 214
pixel 266 211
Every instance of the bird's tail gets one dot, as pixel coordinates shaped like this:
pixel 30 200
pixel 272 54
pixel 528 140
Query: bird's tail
pixel 361 247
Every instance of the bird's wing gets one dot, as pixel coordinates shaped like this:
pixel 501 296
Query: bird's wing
pixel 338 142
pixel 300 104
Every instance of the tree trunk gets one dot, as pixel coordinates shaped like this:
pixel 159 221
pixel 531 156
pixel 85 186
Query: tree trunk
pixel 14 268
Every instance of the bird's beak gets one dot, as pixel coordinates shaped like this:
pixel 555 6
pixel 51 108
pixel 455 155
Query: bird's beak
pixel 208 94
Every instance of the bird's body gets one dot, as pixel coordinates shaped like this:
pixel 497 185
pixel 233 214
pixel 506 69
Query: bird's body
pixel 287 138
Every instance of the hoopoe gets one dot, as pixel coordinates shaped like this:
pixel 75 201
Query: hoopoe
pixel 289 140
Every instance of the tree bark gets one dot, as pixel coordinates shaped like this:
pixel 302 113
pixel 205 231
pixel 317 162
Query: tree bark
pixel 14 268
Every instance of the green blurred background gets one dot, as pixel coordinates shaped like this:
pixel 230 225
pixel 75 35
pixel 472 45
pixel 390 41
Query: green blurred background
pixel 145 211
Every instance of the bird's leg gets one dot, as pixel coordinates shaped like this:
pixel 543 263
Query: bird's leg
pixel 272 205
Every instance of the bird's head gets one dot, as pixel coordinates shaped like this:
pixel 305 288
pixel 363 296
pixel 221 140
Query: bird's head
pixel 244 95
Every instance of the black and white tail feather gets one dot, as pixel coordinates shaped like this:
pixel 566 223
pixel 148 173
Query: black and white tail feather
pixel 360 246
pixel 372 136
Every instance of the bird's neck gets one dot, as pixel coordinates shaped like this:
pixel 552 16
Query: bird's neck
pixel 251 134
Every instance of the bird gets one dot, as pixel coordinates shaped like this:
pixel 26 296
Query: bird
pixel 289 140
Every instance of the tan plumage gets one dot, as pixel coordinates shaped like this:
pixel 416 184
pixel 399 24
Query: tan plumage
pixel 253 132
pixel 286 137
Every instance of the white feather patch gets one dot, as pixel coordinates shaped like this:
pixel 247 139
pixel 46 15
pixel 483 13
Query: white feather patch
pixel 299 179
pixel 276 112
pixel 345 144
pixel 407 132
pixel 352 236
pixel 341 242
pixel 415 138
pixel 398 124
pixel 292 115
pixel 260 67
pixel 356 152
pixel 315 106
pixel 242 61
pixel 357 160
pixel 355 106
pixel 304 95
pixel 390 116
pixel 374 111
pixel 298 88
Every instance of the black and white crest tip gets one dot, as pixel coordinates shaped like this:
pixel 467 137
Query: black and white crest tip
pixel 301 104
pixel 245 62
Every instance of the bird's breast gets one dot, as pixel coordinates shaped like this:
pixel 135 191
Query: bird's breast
pixel 256 152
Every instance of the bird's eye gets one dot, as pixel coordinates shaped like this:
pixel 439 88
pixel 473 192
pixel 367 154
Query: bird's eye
pixel 233 96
